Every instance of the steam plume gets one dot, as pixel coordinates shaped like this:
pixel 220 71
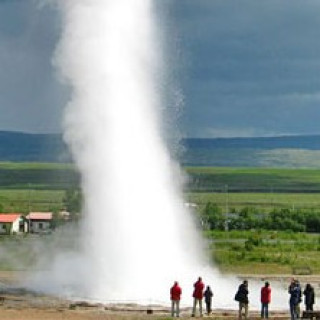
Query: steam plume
pixel 136 237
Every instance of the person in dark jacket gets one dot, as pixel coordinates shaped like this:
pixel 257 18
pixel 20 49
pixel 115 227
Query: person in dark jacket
pixel 295 296
pixel 208 294
pixel 197 296
pixel 175 295
pixel 242 298
pixel 309 299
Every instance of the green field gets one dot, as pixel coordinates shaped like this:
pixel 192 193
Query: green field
pixel 41 176
pixel 262 180
pixel 41 186
pixel 261 201
pixel 263 188
pixel 28 187
pixel 256 252
pixel 32 186
pixel 25 200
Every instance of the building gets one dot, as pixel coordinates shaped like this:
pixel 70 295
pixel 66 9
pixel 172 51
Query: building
pixel 39 222
pixel 12 223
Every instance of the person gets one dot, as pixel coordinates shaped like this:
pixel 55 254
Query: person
pixel 197 296
pixel 265 300
pixel 300 298
pixel 309 299
pixel 175 295
pixel 295 295
pixel 208 294
pixel 242 298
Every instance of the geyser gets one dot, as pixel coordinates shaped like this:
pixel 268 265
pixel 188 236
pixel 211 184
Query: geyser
pixel 137 237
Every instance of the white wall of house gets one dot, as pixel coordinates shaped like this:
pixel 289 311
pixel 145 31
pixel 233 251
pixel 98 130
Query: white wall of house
pixel 15 226
pixel 39 226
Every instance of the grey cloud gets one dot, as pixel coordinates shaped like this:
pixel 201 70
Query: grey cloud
pixel 30 97
pixel 247 66
pixel 252 64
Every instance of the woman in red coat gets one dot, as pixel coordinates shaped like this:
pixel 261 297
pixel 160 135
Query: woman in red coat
pixel 265 300
pixel 175 295
pixel 197 296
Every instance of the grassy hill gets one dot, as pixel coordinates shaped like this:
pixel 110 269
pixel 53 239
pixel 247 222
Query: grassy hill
pixel 19 146
pixel 285 152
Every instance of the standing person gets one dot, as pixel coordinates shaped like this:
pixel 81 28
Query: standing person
pixel 175 295
pixel 309 299
pixel 265 300
pixel 208 294
pixel 300 298
pixel 295 295
pixel 197 296
pixel 242 298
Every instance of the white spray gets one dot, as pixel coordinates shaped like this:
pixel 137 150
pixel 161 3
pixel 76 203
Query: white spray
pixel 137 237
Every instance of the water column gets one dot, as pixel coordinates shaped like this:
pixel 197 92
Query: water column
pixel 136 237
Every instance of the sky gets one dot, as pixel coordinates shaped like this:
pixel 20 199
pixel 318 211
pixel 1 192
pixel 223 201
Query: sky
pixel 244 68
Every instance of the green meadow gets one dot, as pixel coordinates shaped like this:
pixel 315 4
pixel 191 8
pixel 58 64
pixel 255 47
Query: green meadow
pixel 266 180
pixel 28 187
pixel 270 252
pixel 33 186
pixel 261 201
pixel 41 186
pixel 263 188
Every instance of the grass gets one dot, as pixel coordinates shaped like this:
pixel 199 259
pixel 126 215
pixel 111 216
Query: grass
pixel 35 186
pixel 35 165
pixel 219 179
pixel 23 201
pixel 263 201
pixel 41 187
pixel 37 176
pixel 274 253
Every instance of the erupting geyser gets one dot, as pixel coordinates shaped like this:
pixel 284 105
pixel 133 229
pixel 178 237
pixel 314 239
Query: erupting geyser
pixel 137 237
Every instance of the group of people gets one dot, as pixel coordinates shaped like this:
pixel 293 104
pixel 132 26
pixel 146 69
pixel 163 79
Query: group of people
pixel 295 292
pixel 198 294
pixel 241 297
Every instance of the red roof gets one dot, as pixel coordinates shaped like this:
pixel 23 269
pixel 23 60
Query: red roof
pixel 39 216
pixel 9 217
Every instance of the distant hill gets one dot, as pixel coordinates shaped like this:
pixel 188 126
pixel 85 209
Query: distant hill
pixel 18 146
pixel 310 142
pixel 285 151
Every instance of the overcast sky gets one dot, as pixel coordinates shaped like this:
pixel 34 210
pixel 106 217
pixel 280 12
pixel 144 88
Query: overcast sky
pixel 248 67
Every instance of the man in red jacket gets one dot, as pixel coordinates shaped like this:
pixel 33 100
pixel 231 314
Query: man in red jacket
pixel 265 300
pixel 197 296
pixel 175 294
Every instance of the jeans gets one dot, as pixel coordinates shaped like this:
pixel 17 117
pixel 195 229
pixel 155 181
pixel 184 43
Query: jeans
pixel 208 306
pixel 293 311
pixel 195 302
pixel 175 308
pixel 264 310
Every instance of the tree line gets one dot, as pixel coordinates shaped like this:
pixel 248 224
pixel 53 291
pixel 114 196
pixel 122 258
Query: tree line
pixel 299 220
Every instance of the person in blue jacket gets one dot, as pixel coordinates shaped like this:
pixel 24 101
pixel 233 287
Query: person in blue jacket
pixel 295 298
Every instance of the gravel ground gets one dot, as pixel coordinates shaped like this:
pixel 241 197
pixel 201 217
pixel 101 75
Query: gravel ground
pixel 20 304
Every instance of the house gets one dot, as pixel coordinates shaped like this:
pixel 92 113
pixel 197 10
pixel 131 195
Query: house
pixel 11 223
pixel 39 222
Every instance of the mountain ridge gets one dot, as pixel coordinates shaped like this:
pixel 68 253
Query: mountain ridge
pixel 290 151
